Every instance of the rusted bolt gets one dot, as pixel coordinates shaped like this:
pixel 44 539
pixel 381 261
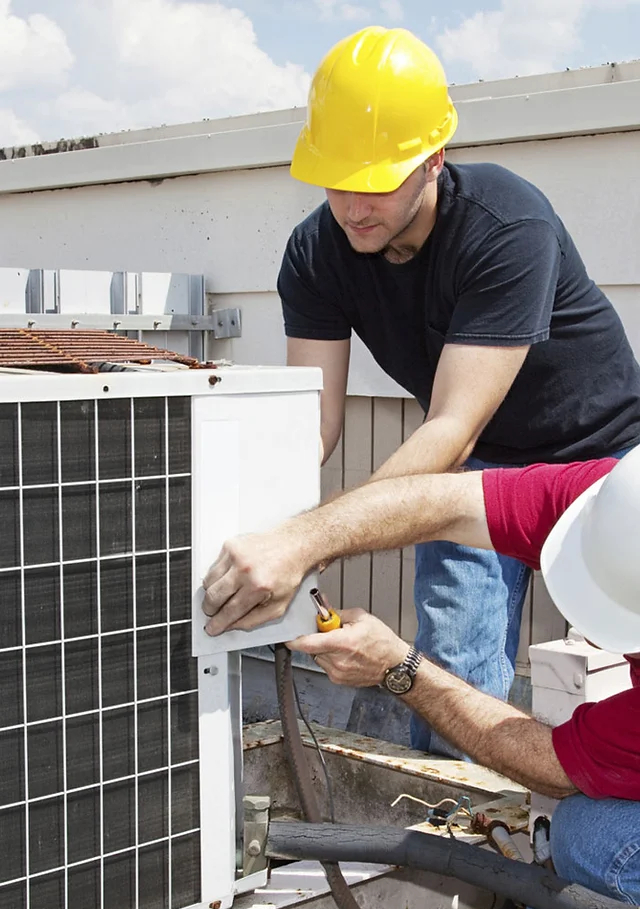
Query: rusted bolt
pixel 213 380
pixel 253 849
pixel 215 905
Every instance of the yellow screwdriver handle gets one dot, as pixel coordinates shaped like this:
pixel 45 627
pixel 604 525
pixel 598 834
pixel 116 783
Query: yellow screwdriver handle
pixel 329 624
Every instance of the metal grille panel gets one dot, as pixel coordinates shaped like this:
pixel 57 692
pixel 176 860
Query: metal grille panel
pixel 99 802
pixel 77 350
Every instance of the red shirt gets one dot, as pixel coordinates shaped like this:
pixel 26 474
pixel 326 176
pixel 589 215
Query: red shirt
pixel 599 747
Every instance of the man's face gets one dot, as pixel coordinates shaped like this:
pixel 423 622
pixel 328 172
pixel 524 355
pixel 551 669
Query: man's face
pixel 372 221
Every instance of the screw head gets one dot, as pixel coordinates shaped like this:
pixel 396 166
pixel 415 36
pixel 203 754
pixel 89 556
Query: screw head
pixel 213 380
pixel 253 849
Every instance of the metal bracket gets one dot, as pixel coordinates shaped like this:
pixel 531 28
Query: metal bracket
pixel 228 323
pixel 114 322
pixel 256 826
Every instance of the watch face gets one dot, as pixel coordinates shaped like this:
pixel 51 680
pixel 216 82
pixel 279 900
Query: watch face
pixel 398 680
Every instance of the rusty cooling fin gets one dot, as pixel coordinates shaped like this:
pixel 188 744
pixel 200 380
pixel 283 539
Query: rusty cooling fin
pixel 76 350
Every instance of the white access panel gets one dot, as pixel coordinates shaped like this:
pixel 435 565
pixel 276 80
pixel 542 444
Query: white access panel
pixel 255 462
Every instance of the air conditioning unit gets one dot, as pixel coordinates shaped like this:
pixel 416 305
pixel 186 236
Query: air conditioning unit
pixel 120 753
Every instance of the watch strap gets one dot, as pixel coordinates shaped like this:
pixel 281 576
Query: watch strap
pixel 412 661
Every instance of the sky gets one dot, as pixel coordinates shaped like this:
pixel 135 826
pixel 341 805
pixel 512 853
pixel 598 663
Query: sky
pixel 71 68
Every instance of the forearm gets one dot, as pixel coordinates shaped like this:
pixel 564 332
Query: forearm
pixel 437 446
pixel 390 514
pixel 494 733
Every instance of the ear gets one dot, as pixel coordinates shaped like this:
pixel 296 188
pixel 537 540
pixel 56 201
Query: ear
pixel 434 166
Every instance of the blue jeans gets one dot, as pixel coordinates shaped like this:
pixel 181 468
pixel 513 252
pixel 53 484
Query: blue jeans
pixel 469 606
pixel 597 844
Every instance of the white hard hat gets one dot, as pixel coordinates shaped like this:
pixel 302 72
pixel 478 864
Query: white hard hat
pixel 591 560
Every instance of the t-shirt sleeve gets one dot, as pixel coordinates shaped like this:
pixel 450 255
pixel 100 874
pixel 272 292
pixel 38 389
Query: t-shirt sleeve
pixel 506 287
pixel 599 747
pixel 309 306
pixel 523 503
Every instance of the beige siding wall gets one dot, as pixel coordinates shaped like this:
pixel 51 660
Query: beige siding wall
pixel 382 583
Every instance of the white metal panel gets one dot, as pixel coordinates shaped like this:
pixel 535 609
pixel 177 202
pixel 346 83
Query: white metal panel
pixel 13 290
pixel 85 291
pixel 162 292
pixel 227 380
pixel 217 782
pixel 256 462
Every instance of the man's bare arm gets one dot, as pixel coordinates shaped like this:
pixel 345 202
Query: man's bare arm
pixel 493 733
pixel 469 386
pixel 387 514
pixel 333 358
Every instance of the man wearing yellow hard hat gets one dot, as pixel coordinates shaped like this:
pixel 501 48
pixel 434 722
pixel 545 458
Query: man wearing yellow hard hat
pixel 468 290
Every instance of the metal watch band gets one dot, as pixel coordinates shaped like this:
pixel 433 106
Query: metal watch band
pixel 412 661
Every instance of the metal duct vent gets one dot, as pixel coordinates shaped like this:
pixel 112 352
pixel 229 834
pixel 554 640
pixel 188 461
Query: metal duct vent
pixel 99 803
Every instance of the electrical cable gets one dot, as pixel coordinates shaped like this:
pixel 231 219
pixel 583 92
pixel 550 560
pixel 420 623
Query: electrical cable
pixel 325 769
pixel 294 751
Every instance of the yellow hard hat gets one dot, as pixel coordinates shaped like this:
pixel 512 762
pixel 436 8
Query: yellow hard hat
pixel 378 107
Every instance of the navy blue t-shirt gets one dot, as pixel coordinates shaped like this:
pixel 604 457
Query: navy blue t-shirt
pixel 498 269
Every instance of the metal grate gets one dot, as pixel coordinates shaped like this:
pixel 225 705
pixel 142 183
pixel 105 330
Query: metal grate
pixel 77 350
pixel 99 802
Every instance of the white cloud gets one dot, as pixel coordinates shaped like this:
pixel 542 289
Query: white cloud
pixel 331 10
pixel 14 131
pixel 517 39
pixel 392 9
pixel 189 60
pixel 32 50
pixel 149 62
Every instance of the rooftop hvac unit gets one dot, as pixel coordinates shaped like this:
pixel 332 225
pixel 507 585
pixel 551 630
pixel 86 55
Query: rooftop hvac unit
pixel 120 757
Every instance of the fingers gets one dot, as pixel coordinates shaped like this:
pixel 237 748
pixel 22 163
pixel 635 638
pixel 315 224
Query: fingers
pixel 243 610
pixel 317 644
pixel 219 593
pixel 219 568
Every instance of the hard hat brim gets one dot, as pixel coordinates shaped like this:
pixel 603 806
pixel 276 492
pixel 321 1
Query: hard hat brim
pixel 599 618
pixel 308 166
pixel 375 178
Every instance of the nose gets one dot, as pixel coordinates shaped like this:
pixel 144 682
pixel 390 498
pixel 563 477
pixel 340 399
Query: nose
pixel 358 207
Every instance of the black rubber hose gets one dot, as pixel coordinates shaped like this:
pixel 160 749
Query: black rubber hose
pixel 528 884
pixel 294 751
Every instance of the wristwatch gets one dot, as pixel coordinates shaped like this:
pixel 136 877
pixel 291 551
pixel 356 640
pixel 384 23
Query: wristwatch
pixel 399 679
